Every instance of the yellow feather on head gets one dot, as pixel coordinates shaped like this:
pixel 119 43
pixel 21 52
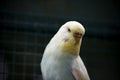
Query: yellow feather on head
pixel 72 37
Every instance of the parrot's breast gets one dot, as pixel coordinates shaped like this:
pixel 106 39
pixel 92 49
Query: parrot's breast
pixel 57 67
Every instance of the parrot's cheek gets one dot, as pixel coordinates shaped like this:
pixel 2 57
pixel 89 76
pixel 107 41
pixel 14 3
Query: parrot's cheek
pixel 65 39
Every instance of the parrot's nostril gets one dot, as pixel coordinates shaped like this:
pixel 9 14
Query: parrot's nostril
pixel 77 35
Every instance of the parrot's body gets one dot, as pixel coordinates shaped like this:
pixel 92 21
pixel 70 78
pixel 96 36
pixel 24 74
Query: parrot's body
pixel 61 60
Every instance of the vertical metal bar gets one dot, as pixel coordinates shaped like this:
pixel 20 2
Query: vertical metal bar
pixel 25 54
pixel 14 54
pixel 35 55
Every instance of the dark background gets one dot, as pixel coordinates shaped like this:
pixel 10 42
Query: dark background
pixel 26 26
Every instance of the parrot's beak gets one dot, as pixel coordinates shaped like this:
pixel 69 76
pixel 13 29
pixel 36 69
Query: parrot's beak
pixel 77 35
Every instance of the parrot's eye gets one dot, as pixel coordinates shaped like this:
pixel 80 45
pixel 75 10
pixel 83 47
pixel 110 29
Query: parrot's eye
pixel 69 30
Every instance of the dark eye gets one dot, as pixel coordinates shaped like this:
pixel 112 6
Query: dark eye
pixel 69 30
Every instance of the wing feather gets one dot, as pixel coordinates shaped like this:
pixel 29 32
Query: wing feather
pixel 78 70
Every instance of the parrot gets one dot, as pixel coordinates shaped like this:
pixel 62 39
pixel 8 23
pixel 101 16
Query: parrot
pixel 61 59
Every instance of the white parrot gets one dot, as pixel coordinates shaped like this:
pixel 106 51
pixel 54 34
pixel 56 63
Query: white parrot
pixel 61 60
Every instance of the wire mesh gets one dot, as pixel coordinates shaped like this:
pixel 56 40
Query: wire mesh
pixel 23 52
pixel 23 38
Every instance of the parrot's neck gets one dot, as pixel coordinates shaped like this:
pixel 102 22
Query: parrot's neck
pixel 71 46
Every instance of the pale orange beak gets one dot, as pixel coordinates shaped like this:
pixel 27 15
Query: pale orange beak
pixel 77 35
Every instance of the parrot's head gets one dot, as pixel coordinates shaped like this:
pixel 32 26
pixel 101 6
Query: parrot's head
pixel 71 33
